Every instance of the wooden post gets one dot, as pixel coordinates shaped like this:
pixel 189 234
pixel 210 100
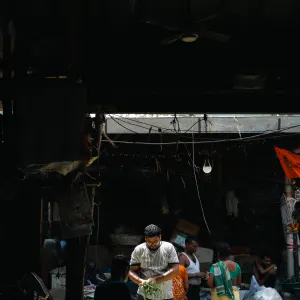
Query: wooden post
pixel 76 254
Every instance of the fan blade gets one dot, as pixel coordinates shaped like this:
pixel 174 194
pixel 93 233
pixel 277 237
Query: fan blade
pixel 165 26
pixel 171 39
pixel 208 19
pixel 214 35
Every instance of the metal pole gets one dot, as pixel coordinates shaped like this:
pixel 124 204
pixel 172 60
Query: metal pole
pixel 296 257
pixel 42 223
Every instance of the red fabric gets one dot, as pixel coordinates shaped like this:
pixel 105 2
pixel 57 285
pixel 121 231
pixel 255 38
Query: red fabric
pixel 290 162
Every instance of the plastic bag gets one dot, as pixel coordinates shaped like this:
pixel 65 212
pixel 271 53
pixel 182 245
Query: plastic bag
pixel 267 294
pixel 243 293
pixel 254 287
pixel 257 292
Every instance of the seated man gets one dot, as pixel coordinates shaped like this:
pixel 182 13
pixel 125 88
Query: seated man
pixel 115 287
pixel 265 272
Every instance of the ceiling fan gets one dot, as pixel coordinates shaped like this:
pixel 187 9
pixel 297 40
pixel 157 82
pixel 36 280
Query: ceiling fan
pixel 187 30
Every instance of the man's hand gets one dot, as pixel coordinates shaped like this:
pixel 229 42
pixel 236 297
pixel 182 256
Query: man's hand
pixel 151 280
pixel 134 276
pixel 142 281
pixel 273 271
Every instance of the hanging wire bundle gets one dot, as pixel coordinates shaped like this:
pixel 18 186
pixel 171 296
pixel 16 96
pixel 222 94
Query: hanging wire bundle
pixel 121 121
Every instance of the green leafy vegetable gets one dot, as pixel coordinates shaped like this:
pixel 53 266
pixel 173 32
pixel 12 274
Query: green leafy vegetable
pixel 150 289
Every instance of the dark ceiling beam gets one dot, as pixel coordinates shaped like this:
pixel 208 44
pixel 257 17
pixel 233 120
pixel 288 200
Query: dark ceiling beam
pixel 73 10
pixel 196 101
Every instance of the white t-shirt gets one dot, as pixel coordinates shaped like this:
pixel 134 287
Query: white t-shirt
pixel 194 267
pixel 155 264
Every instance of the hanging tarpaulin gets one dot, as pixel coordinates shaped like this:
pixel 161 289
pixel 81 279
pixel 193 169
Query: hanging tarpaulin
pixel 290 162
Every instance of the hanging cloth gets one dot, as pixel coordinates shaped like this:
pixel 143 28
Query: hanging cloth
pixel 232 204
pixel 290 162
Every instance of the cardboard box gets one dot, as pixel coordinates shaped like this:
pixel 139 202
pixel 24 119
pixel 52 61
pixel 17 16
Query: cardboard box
pixel 178 239
pixel 188 228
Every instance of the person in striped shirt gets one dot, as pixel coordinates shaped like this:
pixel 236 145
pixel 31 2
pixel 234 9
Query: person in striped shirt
pixel 154 261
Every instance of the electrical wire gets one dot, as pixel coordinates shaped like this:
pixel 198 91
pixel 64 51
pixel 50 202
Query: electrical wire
pixel 274 137
pixel 140 126
pixel 269 131
pixel 158 131
pixel 180 133
pixel 251 138
pixel 188 130
pixel 159 127
pixel 123 125
pixel 144 123
pixel 198 193
pixel 263 135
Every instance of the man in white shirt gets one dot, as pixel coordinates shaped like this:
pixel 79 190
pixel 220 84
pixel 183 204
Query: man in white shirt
pixel 189 260
pixel 155 261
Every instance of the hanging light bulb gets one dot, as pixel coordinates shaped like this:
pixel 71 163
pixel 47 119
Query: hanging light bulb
pixel 207 167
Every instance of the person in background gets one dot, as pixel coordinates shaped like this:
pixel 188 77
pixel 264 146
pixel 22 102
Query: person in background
pixel 115 287
pixel 90 276
pixel 225 276
pixel 191 263
pixel 181 284
pixel 264 271
pixel 49 259
pixel 154 261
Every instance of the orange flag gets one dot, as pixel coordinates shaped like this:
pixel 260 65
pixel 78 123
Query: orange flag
pixel 290 163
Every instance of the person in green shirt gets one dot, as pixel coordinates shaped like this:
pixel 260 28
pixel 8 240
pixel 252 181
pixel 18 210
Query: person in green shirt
pixel 224 276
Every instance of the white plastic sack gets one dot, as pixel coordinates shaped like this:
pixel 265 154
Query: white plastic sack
pixel 243 293
pixel 254 288
pixel 267 294
pixel 257 292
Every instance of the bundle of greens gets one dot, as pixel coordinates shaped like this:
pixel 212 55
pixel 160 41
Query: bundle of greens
pixel 150 289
